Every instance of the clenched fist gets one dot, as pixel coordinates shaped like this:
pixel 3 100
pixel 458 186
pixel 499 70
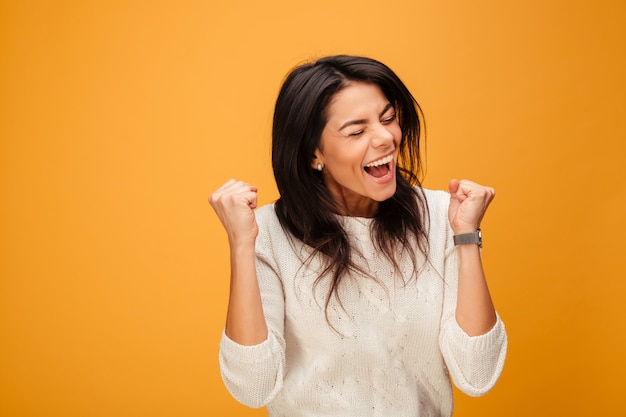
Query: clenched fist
pixel 234 203
pixel 468 203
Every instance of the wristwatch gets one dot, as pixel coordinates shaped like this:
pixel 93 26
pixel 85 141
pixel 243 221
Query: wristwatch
pixel 469 239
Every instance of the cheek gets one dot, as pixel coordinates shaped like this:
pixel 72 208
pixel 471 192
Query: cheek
pixel 397 134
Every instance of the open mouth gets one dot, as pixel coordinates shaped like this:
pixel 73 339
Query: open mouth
pixel 380 167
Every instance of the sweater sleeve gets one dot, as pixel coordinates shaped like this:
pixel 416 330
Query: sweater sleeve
pixel 254 374
pixel 474 362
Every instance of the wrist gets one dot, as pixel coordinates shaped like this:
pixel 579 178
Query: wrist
pixel 469 238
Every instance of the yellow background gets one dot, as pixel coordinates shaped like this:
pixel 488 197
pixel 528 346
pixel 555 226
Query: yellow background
pixel 118 118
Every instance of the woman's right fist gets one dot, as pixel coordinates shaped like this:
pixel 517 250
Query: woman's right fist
pixel 234 203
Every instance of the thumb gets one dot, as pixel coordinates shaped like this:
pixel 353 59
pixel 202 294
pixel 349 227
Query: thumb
pixel 453 186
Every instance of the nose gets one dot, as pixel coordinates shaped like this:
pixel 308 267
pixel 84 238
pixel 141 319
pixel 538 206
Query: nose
pixel 382 137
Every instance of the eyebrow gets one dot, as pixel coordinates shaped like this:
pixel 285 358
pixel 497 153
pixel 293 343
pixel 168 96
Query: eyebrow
pixel 362 121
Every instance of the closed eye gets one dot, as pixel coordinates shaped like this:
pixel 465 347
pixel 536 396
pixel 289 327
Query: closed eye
pixel 389 119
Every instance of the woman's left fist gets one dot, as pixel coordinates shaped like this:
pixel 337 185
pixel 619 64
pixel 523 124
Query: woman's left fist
pixel 468 204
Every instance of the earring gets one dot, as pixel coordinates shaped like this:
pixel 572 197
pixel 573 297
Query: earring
pixel 320 166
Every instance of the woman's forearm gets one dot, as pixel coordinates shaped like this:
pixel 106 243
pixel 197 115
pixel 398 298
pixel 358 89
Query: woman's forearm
pixel 475 313
pixel 245 322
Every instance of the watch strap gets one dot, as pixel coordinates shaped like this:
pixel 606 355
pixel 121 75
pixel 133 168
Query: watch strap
pixel 469 239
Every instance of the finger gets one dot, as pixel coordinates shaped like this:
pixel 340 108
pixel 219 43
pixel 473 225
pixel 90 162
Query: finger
pixel 234 186
pixel 231 186
pixel 473 189
pixel 227 185
pixel 468 186
pixel 249 194
pixel 235 196
pixel 214 195
pixel 252 200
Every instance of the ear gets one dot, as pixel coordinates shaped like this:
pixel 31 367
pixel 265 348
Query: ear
pixel 316 159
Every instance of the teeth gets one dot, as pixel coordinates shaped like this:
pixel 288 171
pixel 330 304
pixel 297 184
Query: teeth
pixel 380 161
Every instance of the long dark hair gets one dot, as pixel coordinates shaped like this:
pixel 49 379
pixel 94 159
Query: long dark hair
pixel 306 208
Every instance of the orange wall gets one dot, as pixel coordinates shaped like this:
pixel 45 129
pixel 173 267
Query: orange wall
pixel 118 118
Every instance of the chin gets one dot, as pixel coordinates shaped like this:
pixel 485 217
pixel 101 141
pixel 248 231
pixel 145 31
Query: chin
pixel 385 195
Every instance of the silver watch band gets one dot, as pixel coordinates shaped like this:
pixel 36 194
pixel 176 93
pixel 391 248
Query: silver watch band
pixel 469 239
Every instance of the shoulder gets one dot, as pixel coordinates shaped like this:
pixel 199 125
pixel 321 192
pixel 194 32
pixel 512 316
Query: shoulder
pixel 437 202
pixel 266 214
pixel 436 199
pixel 270 234
pixel 267 220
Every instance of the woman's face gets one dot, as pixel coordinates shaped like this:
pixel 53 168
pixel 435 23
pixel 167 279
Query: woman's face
pixel 359 149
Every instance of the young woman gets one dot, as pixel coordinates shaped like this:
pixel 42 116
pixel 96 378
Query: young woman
pixel 358 293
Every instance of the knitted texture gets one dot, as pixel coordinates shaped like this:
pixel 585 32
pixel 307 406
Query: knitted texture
pixel 394 341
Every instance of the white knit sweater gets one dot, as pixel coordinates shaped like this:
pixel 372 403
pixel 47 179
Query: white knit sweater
pixel 393 346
